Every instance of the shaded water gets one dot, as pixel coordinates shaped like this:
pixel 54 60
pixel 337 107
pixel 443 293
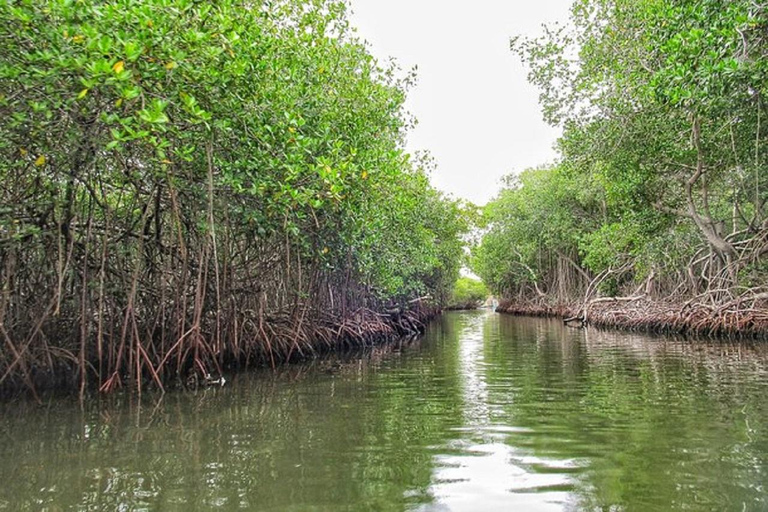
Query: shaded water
pixel 486 412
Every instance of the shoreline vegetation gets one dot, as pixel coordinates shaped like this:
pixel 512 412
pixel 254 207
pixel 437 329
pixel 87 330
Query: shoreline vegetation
pixel 467 294
pixel 655 214
pixel 189 187
pixel 728 321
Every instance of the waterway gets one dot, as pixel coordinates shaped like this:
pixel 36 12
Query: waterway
pixel 485 412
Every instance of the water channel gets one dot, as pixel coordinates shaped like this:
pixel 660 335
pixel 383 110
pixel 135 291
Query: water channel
pixel 485 412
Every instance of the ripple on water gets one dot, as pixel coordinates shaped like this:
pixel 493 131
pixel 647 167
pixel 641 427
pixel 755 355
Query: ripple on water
pixel 486 412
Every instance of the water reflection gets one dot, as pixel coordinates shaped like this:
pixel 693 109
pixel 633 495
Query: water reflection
pixel 487 412
pixel 480 463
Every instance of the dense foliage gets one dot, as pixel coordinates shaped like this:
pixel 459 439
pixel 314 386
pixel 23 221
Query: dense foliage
pixel 195 181
pixel 661 187
pixel 468 293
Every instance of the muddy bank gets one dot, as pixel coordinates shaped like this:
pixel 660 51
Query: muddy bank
pixel 735 319
pixel 281 339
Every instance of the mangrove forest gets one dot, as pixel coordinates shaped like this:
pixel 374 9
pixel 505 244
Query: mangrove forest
pixel 186 186
pixel 654 215
pixel 189 187
pixel 232 280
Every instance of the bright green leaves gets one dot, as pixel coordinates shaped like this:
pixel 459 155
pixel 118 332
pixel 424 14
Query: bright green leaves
pixel 468 293
pixel 648 92
pixel 297 128
pixel 155 113
pixel 132 50
pixel 129 92
pixel 193 108
pixel 702 52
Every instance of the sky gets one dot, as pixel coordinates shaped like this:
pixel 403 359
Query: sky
pixel 477 114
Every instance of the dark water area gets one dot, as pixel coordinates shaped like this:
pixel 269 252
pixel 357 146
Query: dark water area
pixel 486 412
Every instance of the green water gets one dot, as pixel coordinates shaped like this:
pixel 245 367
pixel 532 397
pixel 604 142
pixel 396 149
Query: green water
pixel 486 412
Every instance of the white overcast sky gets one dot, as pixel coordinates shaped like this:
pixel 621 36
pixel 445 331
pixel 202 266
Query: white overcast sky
pixel 477 114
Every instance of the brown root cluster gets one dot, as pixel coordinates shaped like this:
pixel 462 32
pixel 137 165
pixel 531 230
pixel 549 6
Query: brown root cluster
pixel 269 340
pixel 743 318
pixel 289 341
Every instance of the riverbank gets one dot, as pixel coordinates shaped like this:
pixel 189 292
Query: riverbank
pixel 281 339
pixel 743 318
pixel 146 239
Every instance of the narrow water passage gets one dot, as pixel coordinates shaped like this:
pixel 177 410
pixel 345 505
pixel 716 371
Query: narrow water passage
pixel 486 412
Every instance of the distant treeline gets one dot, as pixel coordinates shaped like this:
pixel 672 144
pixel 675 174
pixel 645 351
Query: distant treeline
pixel 467 293
pixel 185 184
pixel 661 186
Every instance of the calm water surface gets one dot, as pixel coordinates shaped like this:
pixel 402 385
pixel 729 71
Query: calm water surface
pixel 486 412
